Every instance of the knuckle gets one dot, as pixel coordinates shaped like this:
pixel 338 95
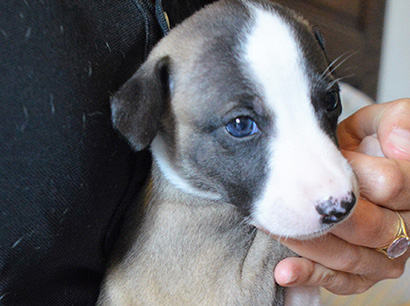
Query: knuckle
pixel 396 271
pixel 363 286
pixel 350 261
pixel 376 228
pixel 347 284
pixel 328 278
pixel 392 179
pixel 401 105
pixel 376 232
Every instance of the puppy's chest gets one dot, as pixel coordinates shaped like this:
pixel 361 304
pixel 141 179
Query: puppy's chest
pixel 187 256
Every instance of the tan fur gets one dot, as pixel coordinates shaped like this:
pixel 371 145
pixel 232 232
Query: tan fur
pixel 190 253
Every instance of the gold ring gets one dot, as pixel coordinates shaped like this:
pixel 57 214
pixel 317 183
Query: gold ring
pixel 400 243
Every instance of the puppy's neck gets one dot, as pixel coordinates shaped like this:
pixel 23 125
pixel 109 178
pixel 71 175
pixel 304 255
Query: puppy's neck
pixel 161 189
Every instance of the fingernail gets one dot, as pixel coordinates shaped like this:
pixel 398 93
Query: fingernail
pixel 400 139
pixel 292 278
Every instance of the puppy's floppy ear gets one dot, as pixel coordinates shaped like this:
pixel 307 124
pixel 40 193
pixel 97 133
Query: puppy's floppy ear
pixel 138 106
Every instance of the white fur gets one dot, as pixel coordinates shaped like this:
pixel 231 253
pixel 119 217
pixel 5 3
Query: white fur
pixel 305 166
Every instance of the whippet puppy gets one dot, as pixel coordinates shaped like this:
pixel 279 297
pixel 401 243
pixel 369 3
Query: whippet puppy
pixel 239 108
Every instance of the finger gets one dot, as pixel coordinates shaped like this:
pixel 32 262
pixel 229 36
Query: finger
pixel 382 181
pixel 394 130
pixel 370 145
pixel 369 225
pixel 389 121
pixel 293 272
pixel 339 255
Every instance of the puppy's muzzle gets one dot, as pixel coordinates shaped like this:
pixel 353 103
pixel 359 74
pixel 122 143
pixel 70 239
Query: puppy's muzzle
pixel 335 210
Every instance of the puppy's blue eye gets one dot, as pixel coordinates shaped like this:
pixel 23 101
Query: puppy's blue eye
pixel 242 127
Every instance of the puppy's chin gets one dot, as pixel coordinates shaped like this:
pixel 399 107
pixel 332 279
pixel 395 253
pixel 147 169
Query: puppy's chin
pixel 321 232
pixel 326 229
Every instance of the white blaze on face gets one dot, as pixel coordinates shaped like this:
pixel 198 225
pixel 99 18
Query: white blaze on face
pixel 304 166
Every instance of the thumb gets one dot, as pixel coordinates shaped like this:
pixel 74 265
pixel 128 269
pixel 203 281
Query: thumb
pixel 294 272
pixel 379 130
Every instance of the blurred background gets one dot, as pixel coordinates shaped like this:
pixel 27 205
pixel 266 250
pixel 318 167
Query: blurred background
pixel 370 37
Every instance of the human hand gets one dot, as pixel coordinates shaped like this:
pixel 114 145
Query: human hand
pixel 345 261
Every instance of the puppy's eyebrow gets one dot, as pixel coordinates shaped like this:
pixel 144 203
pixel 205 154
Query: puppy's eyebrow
pixel 244 101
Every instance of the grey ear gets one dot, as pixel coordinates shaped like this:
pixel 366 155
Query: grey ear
pixel 138 106
pixel 319 37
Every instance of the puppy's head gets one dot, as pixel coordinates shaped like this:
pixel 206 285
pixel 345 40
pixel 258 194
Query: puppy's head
pixel 238 105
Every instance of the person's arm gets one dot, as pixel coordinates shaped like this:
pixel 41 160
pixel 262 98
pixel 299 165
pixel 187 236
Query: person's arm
pixel 345 261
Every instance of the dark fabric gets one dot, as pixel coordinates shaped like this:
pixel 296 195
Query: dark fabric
pixel 178 10
pixel 66 176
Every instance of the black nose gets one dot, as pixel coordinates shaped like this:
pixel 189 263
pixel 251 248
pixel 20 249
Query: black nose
pixel 335 210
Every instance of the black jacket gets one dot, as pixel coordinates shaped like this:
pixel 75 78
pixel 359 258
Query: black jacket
pixel 66 177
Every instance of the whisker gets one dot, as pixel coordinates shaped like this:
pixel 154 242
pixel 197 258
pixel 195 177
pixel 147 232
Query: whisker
pixel 343 61
pixel 330 69
pixel 332 63
pixel 338 80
